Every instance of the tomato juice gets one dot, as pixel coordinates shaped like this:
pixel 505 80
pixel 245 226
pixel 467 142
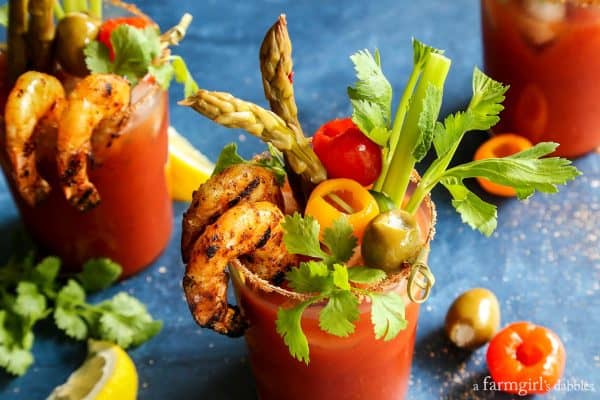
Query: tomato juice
pixel 133 222
pixel 356 367
pixel 549 54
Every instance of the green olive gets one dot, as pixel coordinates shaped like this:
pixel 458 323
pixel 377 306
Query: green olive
pixel 473 318
pixel 73 33
pixel 391 239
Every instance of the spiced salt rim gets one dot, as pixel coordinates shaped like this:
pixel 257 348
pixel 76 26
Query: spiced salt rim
pixel 255 283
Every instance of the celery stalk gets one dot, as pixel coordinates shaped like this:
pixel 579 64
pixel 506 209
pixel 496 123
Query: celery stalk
pixel 59 13
pixel 402 163
pixel 398 122
pixel 70 6
pixel 82 5
pixel 96 8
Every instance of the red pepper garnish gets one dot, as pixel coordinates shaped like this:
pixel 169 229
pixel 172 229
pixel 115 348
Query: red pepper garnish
pixel 108 26
pixel 524 358
pixel 346 153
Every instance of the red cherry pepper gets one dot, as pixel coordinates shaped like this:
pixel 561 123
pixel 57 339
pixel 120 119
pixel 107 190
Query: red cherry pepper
pixel 524 358
pixel 346 152
pixel 108 26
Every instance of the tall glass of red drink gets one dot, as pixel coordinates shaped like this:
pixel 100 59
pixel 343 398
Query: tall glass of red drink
pixel 549 53
pixel 133 222
pixel 355 367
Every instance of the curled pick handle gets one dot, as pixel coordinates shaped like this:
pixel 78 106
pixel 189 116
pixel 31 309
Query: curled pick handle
pixel 420 279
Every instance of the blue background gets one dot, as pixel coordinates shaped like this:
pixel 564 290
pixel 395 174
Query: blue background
pixel 543 262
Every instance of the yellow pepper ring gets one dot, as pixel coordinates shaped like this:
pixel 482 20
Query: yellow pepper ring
pixel 336 198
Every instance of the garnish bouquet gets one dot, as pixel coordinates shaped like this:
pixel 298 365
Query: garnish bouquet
pixel 327 240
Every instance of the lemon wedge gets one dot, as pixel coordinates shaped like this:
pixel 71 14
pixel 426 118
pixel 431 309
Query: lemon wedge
pixel 107 373
pixel 186 168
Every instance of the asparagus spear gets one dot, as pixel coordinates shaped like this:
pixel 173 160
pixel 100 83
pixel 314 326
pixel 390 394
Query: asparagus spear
pixel 226 110
pixel 276 67
pixel 17 29
pixel 41 33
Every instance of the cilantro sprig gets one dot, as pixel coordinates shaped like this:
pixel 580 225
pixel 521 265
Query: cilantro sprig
pixel 229 156
pixel 31 292
pixel 415 129
pixel 138 52
pixel 327 280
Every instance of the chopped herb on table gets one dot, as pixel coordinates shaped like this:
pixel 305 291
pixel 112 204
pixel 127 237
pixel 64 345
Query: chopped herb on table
pixel 30 292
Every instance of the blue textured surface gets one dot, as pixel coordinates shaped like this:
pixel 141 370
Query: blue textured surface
pixel 543 262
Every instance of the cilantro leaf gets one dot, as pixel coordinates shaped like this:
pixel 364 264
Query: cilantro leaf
pixel 138 52
pixel 70 322
pixel 302 236
pixel 29 303
pixel 275 163
pixel 387 315
pixel 340 241
pixel 310 277
pixel 475 212
pixel 371 97
pixel 135 49
pixel 98 274
pixel 70 295
pixel 126 321
pixel 46 271
pixel 288 326
pixel 366 275
pixel 183 76
pixel 339 276
pixel 15 360
pixel 339 314
pixel 426 124
pixel 97 58
pixel 524 172
pixel 229 156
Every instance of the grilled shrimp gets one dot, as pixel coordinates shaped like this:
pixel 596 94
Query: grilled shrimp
pixel 36 98
pixel 94 99
pixel 241 230
pixel 237 184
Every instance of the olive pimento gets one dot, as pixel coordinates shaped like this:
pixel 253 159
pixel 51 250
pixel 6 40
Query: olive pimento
pixel 529 355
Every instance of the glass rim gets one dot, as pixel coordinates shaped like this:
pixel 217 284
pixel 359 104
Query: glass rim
pixel 256 284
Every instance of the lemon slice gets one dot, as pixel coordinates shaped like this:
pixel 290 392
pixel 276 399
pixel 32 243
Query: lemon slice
pixel 107 373
pixel 187 168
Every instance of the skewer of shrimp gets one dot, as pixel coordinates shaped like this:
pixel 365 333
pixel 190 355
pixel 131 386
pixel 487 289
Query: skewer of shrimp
pixel 95 98
pixel 36 98
pixel 234 215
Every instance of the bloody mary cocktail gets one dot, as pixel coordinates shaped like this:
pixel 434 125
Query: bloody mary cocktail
pixel 549 54
pixel 355 367
pixel 133 222
pixel 328 297
pixel 84 132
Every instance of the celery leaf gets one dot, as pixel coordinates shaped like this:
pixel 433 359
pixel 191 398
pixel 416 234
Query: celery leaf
pixel 474 212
